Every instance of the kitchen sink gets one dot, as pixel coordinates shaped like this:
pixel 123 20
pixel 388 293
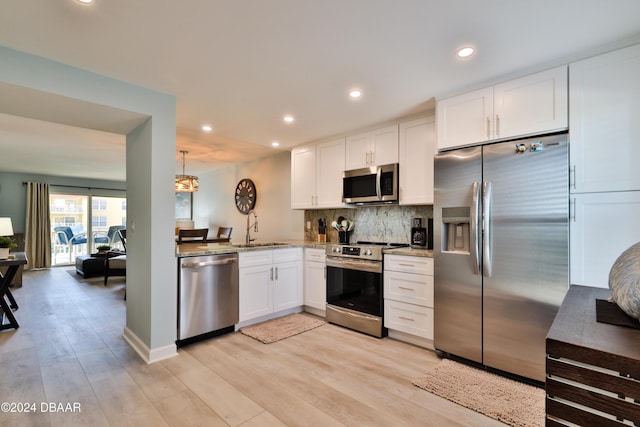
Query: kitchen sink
pixel 257 245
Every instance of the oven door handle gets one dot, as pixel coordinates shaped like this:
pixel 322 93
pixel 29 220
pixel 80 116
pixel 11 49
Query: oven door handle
pixel 351 264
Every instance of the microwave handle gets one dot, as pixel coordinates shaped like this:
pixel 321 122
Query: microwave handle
pixel 378 185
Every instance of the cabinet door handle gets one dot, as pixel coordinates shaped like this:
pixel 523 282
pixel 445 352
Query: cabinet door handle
pixel 406 289
pixel 497 126
pixel 276 273
pixel 406 265
pixel 366 158
pixel 574 209
pixel 406 318
pixel 271 274
pixel 573 175
pixel 488 128
pixel 372 157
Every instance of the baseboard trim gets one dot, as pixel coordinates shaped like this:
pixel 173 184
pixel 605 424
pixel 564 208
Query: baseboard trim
pixel 411 339
pixel 145 353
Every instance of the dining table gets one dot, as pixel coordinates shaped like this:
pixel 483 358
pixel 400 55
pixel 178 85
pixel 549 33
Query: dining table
pixel 8 303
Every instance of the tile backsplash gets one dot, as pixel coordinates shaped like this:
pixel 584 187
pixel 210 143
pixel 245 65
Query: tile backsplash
pixel 390 223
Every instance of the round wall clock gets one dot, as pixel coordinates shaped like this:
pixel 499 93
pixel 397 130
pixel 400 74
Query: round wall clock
pixel 245 196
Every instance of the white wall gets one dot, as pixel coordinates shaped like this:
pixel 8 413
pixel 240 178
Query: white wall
pixel 214 206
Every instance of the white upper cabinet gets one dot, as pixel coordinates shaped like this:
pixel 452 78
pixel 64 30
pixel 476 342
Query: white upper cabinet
pixel 605 124
pixel 316 175
pixel 465 119
pixel 533 104
pixel 372 148
pixel 329 168
pixel 416 151
pixel 303 177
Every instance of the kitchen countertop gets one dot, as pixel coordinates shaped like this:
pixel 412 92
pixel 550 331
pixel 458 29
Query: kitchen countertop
pixel 200 249
pixel 428 253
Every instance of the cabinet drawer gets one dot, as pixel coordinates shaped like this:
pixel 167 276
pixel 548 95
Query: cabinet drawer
pixel 315 255
pixel 249 259
pixel 409 318
pixel 409 264
pixel 410 288
pixel 286 255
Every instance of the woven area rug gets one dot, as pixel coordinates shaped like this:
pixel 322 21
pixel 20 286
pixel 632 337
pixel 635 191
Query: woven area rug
pixel 503 399
pixel 281 328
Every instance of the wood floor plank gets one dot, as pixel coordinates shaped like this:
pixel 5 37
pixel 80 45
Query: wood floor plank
pixel 185 409
pixel 66 384
pixel 233 406
pixel 123 402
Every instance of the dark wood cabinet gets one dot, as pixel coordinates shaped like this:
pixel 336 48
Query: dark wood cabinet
pixel 593 369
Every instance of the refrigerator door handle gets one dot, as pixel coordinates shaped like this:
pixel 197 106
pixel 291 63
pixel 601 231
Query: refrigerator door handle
pixel 475 235
pixel 486 228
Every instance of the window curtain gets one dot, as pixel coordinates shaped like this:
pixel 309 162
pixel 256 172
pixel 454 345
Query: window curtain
pixel 38 226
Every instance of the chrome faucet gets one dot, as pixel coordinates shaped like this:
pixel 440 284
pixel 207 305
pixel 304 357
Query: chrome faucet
pixel 254 225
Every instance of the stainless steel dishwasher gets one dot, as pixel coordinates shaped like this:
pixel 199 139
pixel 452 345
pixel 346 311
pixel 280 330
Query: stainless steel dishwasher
pixel 207 296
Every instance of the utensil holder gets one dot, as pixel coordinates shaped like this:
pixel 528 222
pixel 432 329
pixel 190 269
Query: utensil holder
pixel 343 237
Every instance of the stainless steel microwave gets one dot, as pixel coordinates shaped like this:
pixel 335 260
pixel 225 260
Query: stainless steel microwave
pixel 377 184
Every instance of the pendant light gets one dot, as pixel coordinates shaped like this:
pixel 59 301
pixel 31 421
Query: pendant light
pixel 186 183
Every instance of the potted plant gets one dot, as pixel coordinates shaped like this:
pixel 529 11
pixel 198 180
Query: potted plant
pixel 103 249
pixel 6 243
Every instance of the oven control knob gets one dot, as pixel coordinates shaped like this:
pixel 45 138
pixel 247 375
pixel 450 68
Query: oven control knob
pixel 369 252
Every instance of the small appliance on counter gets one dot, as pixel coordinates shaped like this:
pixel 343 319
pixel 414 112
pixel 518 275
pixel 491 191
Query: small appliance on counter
pixel 322 230
pixel 421 237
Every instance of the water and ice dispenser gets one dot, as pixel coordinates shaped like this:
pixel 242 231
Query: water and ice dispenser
pixel 456 230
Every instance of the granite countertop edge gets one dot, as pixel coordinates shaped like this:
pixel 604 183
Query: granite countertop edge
pixel 198 249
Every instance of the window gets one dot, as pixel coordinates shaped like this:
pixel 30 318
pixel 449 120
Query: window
pixel 72 211
pixel 98 204
pixel 98 221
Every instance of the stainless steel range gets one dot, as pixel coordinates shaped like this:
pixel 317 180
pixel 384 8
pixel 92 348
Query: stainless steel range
pixel 354 286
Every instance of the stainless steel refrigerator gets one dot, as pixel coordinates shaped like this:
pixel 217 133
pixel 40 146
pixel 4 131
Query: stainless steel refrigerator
pixel 501 249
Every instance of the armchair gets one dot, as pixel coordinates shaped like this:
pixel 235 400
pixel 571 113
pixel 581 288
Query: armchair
pixel 64 236
pixel 111 238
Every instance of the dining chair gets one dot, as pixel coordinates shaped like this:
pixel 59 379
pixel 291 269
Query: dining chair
pixel 224 232
pixel 192 235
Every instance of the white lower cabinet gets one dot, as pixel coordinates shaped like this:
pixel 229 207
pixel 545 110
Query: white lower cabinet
pixel 408 298
pixel 315 277
pixel 602 226
pixel 270 282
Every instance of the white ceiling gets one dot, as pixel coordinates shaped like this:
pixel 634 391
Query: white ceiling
pixel 240 65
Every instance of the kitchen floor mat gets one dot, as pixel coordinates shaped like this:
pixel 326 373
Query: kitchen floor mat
pixel 503 399
pixel 281 327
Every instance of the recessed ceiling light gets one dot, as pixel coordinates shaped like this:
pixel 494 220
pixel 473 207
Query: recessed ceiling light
pixel 355 93
pixel 288 119
pixel 275 144
pixel 85 1
pixel 207 128
pixel 465 52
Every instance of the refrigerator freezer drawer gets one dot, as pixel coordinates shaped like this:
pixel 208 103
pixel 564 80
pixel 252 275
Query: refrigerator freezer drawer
pixel 409 318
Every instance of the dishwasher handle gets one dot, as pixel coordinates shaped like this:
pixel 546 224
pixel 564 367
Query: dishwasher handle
pixel 208 263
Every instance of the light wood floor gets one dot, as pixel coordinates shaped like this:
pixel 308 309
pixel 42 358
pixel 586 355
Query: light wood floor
pixel 69 349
